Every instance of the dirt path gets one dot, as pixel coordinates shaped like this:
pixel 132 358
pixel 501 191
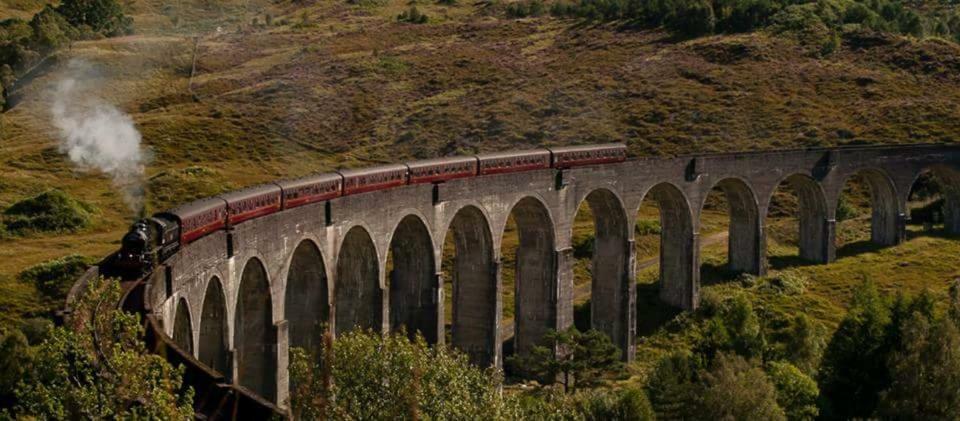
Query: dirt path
pixel 582 291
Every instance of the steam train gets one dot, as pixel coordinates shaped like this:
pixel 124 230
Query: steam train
pixel 156 238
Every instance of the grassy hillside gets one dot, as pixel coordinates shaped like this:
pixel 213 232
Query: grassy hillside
pixel 229 94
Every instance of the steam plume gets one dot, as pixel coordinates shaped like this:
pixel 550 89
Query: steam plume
pixel 96 135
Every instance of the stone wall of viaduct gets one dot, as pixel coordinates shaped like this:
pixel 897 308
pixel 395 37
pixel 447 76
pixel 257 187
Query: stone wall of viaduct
pixel 239 300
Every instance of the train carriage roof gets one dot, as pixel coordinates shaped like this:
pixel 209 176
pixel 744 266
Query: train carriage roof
pixel 513 154
pixel 195 208
pixel 309 180
pixel 442 161
pixel 588 148
pixel 251 192
pixel 372 170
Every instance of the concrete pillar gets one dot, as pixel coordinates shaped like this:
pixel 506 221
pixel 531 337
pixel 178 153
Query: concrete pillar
pixel 497 342
pixel 829 247
pixel 901 228
pixel 438 300
pixel 564 289
pixel 679 269
pixel 283 363
pixel 629 302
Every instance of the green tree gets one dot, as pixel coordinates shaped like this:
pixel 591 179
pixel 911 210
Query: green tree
pixel 673 387
pixel 735 328
pixel 581 358
pixel 735 389
pixel 617 404
pixel 50 30
pixel 925 372
pixel 103 16
pixel 796 392
pixel 99 368
pixel 390 377
pixel 854 368
pixel 804 344
pixel 14 360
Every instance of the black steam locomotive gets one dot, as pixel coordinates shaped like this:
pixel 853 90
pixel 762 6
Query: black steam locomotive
pixel 152 240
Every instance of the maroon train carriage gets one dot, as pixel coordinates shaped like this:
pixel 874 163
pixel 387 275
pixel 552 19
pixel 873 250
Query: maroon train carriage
pixel 573 156
pixel 442 169
pixel 197 218
pixel 371 179
pixel 253 202
pixel 310 189
pixel 504 162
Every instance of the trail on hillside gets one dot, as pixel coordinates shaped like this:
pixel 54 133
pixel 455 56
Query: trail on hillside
pixel 582 291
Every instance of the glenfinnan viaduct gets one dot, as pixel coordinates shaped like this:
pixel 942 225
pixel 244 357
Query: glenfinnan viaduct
pixel 237 300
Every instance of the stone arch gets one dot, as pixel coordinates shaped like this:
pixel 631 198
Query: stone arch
pixel 884 206
pixel 306 305
pixel 744 241
pixel 679 273
pixel 474 281
pixel 254 333
pixel 212 345
pixel 949 182
pixel 610 285
pixel 358 297
pixel 535 311
pixel 182 328
pixel 815 232
pixel 413 281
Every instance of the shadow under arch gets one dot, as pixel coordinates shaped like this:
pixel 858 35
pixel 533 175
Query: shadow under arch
pixel 473 328
pixel 610 286
pixel 182 328
pixel 814 240
pixel 679 274
pixel 413 281
pixel 255 336
pixel 358 298
pixel 212 345
pixel 948 180
pixel 884 206
pixel 535 282
pixel 306 305
pixel 744 240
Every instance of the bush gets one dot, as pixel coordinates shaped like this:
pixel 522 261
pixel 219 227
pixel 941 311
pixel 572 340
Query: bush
pixel 391 377
pixel 55 277
pixel 525 8
pixel 735 328
pixel 412 15
pixel 51 211
pixel 735 389
pixel 787 283
pixel 691 18
pixel 619 404
pixel 50 30
pixel 102 16
pixel 796 392
pixel 647 227
pixel 672 387
pixel 583 246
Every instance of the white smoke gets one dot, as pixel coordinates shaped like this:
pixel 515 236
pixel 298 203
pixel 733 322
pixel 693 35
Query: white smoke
pixel 96 135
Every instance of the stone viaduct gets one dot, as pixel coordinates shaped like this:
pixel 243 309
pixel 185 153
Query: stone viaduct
pixel 238 300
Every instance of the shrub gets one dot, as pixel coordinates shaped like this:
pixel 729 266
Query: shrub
pixel 99 368
pixel 846 210
pixel 672 387
pixel 804 344
pixel 787 283
pixel 796 392
pixel 585 356
pixel 50 30
pixel 736 389
pixel 14 360
pixel 54 278
pixel 735 328
pixel 51 211
pixel 583 246
pixel 525 8
pixel 691 18
pixel 647 227
pixel 102 16
pixel 391 377
pixel 618 404
pixel 412 15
